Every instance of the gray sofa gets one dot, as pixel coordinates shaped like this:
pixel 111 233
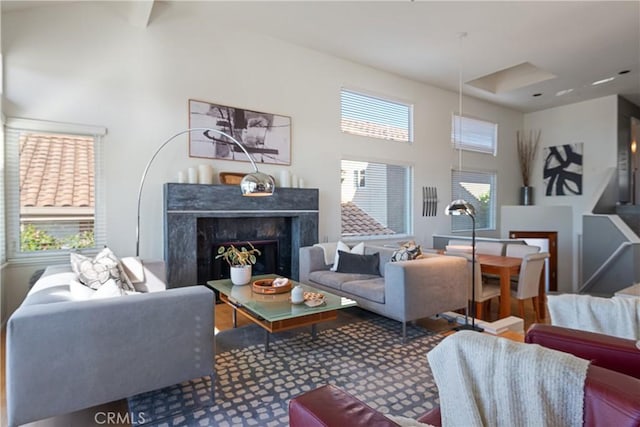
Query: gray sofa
pixel 64 355
pixel 405 290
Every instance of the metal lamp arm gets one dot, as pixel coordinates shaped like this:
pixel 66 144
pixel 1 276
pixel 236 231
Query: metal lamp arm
pixel 165 143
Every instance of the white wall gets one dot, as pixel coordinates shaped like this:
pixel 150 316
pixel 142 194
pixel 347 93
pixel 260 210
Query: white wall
pixel 593 123
pixel 83 63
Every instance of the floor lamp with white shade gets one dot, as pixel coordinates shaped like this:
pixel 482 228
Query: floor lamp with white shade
pixel 254 184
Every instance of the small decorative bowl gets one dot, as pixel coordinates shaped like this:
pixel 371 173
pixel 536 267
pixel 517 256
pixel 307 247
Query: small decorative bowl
pixel 265 286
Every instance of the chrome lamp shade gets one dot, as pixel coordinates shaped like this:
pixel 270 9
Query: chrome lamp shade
pixel 460 207
pixel 257 184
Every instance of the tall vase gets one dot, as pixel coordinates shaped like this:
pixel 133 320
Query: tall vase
pixel 240 274
pixel 526 195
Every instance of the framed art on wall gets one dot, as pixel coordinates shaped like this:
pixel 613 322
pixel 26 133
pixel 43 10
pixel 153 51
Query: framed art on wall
pixel 266 136
pixel 562 173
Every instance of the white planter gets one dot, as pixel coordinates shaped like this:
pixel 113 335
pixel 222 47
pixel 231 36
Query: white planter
pixel 241 275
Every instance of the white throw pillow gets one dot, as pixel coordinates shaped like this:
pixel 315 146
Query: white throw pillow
pixel 108 289
pixel 95 272
pixel 133 269
pixel 357 249
pixel 80 292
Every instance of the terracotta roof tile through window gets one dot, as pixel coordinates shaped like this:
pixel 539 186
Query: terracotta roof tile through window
pixel 56 171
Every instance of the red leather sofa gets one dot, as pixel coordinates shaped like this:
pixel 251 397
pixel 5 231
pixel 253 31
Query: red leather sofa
pixel 612 388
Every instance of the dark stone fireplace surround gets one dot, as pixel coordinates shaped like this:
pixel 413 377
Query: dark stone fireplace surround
pixel 197 216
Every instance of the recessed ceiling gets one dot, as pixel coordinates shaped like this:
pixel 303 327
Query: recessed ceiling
pixel 579 42
pixel 511 78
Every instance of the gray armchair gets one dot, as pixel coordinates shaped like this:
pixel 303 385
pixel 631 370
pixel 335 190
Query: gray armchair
pixel 64 355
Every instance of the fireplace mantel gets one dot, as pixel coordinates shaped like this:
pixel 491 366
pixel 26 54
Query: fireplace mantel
pixel 188 206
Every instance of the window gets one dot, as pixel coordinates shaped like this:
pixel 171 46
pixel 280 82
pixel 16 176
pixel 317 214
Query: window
pixel 479 189
pixel 382 206
pixel 375 117
pixel 474 134
pixel 54 187
pixel 3 238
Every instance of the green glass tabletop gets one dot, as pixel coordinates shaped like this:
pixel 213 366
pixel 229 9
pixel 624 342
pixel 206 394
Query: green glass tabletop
pixel 276 307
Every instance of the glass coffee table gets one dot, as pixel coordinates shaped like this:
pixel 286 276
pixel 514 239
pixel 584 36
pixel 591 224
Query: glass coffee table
pixel 275 312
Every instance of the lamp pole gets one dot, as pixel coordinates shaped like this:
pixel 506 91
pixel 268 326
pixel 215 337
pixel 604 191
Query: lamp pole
pixel 264 181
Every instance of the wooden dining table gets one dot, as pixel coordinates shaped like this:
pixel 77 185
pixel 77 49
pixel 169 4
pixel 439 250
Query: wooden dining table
pixel 504 267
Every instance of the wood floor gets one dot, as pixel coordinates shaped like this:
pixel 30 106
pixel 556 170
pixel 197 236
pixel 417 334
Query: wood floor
pixel 223 321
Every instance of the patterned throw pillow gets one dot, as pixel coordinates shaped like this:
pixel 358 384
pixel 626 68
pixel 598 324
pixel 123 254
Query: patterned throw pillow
pixel 407 251
pixel 95 272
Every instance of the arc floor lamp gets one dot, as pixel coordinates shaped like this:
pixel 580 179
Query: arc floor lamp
pixel 254 184
pixel 461 207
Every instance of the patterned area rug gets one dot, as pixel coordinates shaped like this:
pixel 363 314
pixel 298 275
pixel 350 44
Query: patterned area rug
pixel 364 358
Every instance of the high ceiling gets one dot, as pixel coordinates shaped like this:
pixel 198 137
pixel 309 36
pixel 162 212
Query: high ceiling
pixel 578 42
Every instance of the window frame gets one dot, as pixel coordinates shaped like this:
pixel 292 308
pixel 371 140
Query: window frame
pixel 14 127
pixel 493 178
pixel 468 146
pixel 377 97
pixel 408 214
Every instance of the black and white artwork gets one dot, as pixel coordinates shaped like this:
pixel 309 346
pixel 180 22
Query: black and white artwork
pixel 562 172
pixel 267 137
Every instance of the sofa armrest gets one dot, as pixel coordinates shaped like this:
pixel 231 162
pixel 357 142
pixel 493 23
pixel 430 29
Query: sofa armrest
pixel 618 354
pixel 425 287
pixel 611 398
pixel 329 406
pixel 311 259
pixel 97 351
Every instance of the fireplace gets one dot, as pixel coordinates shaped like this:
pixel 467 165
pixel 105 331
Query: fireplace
pixel 198 217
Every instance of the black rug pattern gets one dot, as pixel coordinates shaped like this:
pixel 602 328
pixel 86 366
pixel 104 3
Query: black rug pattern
pixel 365 358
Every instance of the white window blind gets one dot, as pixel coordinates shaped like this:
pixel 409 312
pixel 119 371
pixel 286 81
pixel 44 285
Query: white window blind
pixel 55 187
pixel 375 198
pixel 477 188
pixel 3 235
pixel 375 117
pixel 474 134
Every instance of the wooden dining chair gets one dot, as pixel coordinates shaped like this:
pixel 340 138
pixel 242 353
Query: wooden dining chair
pixel 528 281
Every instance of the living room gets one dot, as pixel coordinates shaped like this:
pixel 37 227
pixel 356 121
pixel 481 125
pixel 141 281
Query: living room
pixel 132 67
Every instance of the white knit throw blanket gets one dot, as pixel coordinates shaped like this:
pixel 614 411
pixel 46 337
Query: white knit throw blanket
pixel 329 251
pixel 488 381
pixel 617 316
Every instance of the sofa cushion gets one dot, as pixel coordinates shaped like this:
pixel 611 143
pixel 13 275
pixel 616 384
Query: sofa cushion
pixel 335 280
pixel 361 264
pixel 408 251
pixel 81 292
pixel 357 249
pixel 384 253
pixel 370 289
pixel 94 272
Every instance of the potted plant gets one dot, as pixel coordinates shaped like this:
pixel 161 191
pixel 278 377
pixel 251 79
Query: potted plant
pixel 527 149
pixel 240 261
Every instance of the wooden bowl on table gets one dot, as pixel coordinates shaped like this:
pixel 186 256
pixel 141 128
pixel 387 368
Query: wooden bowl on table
pixel 265 286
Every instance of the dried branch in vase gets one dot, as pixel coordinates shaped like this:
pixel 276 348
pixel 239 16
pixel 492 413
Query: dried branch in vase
pixel 527 149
